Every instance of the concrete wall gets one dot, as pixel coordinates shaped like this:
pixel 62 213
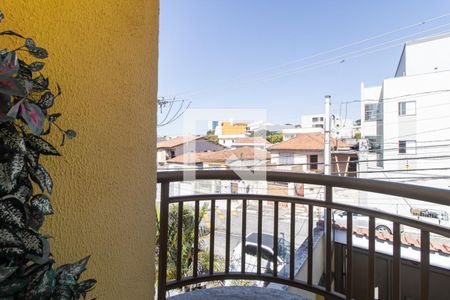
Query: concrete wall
pixel 431 55
pixel 104 56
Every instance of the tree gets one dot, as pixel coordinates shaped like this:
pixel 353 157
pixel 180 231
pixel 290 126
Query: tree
pixel 187 252
pixel 210 136
pixel 274 137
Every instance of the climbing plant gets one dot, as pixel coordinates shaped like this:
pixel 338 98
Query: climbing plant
pixel 27 267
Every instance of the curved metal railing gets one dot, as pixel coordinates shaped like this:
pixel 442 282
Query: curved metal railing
pixel 431 195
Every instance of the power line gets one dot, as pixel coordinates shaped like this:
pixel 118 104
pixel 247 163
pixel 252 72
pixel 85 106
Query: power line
pixel 196 92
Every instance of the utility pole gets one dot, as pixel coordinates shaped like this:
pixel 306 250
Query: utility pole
pixel 327 129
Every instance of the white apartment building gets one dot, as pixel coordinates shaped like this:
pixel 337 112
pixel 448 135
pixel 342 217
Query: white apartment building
pixel 407 117
pixel 342 128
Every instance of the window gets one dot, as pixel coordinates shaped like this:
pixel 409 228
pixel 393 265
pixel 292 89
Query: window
pixel 407 108
pixel 407 147
pixel 371 112
pixel 313 159
pixel 286 158
pixel 172 153
pixel 315 119
pixel 318 125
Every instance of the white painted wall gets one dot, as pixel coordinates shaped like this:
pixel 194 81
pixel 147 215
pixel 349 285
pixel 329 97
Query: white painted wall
pixel 427 55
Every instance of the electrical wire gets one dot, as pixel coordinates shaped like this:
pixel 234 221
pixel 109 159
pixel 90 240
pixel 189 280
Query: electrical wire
pixel 197 91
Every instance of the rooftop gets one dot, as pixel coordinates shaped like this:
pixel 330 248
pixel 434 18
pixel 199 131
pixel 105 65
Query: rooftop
pixel 307 141
pixel 179 140
pixel 244 153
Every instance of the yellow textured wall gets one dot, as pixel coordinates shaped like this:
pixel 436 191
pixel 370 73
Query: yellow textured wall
pixel 103 53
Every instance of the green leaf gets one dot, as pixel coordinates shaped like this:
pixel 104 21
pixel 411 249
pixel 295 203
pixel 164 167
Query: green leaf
pixel 11 138
pixel 10 288
pixel 9 32
pixel 74 269
pixel 41 203
pixel 47 284
pixel 30 44
pixel 36 66
pixel 24 190
pixel 40 83
pixel 35 219
pixel 41 145
pixel 7 184
pixel 31 241
pixel 38 52
pixel 12 212
pixel 47 100
pixel 5 272
pixel 42 178
pixel 39 282
pixel 10 244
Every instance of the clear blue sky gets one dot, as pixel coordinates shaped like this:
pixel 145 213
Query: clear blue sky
pixel 210 51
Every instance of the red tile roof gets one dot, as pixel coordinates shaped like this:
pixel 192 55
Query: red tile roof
pixel 251 140
pixel 307 141
pixel 244 153
pixel 406 239
pixel 180 140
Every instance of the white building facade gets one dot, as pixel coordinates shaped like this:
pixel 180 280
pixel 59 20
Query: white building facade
pixel 407 118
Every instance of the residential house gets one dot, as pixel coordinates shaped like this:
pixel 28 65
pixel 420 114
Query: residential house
pixel 254 142
pixel 228 132
pixel 305 153
pixel 236 159
pixel 179 145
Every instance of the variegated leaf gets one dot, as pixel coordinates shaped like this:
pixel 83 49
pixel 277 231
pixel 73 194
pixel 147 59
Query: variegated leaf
pixel 44 257
pixel 12 212
pixel 44 179
pixel 40 83
pixel 38 52
pixel 35 274
pixel 41 145
pixel 5 272
pixel 24 190
pixel 10 288
pixel 16 165
pixel 35 219
pixel 36 66
pixel 74 269
pixel 12 139
pixel 47 100
pixel 41 203
pixel 6 183
pixel 8 239
pixel 30 44
pixel 31 242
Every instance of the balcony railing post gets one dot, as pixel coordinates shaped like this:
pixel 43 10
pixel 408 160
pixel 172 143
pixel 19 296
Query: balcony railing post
pixel 244 234
pixel 396 279
pixel 424 264
pixel 371 269
pixel 163 228
pixel 328 233
pixel 211 237
pixel 292 244
pixel 349 266
pixel 310 244
pixel 275 239
pixel 259 246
